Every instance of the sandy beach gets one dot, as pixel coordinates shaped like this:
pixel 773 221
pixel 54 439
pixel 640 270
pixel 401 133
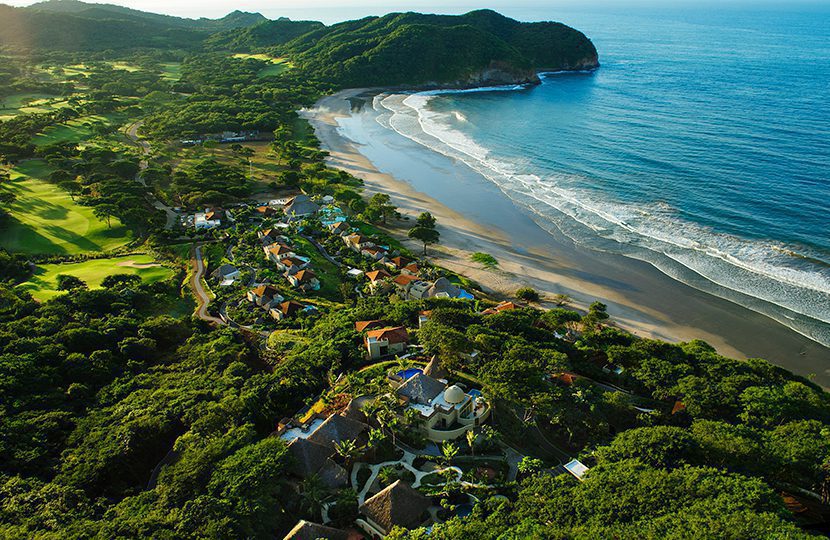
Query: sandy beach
pixel 640 299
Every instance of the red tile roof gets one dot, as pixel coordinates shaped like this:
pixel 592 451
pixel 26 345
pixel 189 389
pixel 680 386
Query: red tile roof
pixel 360 326
pixel 304 276
pixel 404 280
pixel 376 275
pixel 397 334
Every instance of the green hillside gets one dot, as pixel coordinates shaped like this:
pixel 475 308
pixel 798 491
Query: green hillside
pixel 70 25
pixel 263 34
pixel 411 48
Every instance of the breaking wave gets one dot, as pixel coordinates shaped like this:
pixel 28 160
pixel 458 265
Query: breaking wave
pixel 790 284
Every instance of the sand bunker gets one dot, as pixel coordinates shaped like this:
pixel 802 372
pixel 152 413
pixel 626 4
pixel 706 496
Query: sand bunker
pixel 133 264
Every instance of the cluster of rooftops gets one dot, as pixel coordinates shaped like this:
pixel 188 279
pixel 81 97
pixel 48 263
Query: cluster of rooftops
pixel 313 443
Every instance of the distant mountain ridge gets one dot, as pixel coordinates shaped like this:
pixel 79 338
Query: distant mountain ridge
pixel 235 19
pixel 72 25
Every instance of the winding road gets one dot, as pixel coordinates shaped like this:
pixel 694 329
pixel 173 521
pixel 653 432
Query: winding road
pixel 202 297
pixel 132 134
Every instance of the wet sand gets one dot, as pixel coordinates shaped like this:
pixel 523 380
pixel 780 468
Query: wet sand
pixel 474 215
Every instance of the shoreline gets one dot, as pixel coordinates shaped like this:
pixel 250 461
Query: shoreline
pixel 556 268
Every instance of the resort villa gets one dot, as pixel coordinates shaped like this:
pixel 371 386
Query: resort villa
pixel 226 274
pixel 447 412
pixel 339 228
pixel 377 278
pixel 305 280
pixel 299 207
pixel 286 310
pixel 277 252
pixel 385 341
pixel 264 295
pixel 209 219
pixel 291 264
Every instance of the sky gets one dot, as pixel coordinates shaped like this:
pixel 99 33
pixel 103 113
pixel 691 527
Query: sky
pixel 329 11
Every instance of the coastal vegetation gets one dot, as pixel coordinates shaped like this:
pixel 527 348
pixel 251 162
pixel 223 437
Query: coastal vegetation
pixel 484 259
pixel 124 412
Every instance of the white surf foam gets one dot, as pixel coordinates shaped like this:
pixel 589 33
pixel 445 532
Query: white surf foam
pixel 738 269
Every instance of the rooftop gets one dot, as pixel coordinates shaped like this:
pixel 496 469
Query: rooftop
pixel 398 334
pixel 398 504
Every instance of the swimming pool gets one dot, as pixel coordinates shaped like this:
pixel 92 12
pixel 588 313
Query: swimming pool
pixel 409 372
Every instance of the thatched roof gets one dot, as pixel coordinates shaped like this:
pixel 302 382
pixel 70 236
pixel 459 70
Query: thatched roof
pixel 309 457
pixel 435 369
pixel 306 530
pixel 397 504
pixel 337 428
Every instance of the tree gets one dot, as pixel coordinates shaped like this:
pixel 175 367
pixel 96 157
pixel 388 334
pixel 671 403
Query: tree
pixel 530 465
pixel 449 450
pixel 562 299
pixel 527 294
pixel 69 283
pixel 120 281
pixel 426 220
pixel 106 212
pixel 379 208
pixel 471 441
pixel 72 187
pixel 211 145
pixel 424 235
pixel 348 450
pixel 312 494
pixel 376 439
pixel 7 197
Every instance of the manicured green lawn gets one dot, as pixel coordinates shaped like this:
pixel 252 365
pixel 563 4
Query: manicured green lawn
pixel 276 65
pixel 171 71
pixel 46 220
pixel 73 131
pixel 17 101
pixel 43 284
pixel 273 69
pixel 125 66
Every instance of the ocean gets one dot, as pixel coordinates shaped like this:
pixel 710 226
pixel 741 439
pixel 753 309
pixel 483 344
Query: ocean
pixel 701 145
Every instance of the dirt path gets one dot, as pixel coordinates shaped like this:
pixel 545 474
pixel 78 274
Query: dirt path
pixel 202 297
pixel 132 134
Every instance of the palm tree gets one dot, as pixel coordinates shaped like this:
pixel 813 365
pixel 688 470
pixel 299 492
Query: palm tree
pixel 471 440
pixel 348 450
pixel 389 420
pixel 376 438
pixel 449 450
pixel 312 495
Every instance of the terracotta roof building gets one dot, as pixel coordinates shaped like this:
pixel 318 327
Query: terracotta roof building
pixel 504 306
pixel 287 310
pixel 362 326
pixel 385 341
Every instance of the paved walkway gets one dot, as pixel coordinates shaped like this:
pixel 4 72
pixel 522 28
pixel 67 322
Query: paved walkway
pixel 405 462
pixel 322 250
